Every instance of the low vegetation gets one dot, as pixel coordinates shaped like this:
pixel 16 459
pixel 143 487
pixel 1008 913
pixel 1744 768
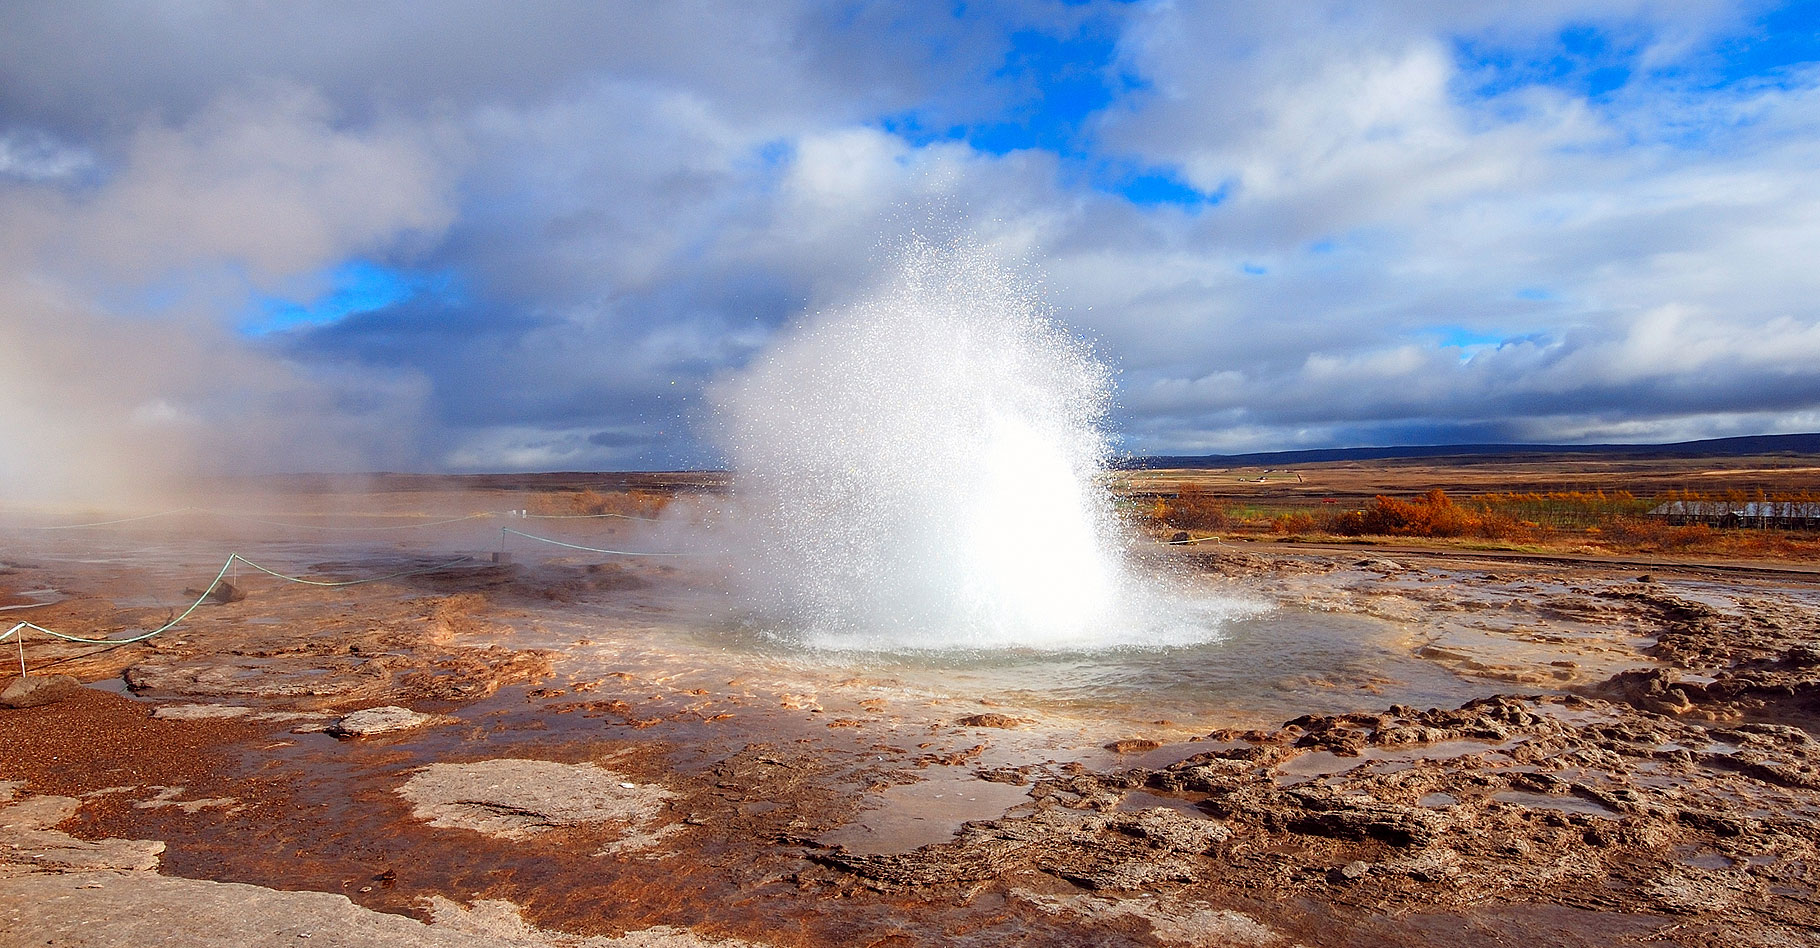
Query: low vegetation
pixel 1575 521
pixel 593 503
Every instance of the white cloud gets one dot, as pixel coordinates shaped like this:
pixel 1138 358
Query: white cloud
pixel 635 199
pixel 35 156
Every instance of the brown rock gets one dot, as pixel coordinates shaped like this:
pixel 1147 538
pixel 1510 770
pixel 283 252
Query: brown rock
pixel 989 719
pixel 222 593
pixel 31 691
pixel 386 720
pixel 1654 689
pixel 1165 828
pixel 1351 872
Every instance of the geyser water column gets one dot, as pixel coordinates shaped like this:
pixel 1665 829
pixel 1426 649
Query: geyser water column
pixel 918 470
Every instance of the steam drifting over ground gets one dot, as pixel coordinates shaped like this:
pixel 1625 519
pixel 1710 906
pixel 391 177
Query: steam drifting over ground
pixel 917 471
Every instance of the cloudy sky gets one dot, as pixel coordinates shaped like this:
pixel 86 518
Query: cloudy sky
pixel 466 235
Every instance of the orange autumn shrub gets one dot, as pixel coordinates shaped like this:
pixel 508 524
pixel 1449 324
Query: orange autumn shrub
pixel 1193 508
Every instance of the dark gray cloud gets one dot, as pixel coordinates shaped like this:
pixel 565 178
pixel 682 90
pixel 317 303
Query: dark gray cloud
pixel 1424 228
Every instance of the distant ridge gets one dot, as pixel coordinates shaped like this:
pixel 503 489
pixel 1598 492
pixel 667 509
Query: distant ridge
pixel 1713 447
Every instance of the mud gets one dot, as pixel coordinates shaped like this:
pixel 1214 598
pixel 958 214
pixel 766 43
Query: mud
pixel 1639 767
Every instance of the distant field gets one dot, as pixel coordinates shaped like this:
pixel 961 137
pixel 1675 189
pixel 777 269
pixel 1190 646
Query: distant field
pixel 1568 502
pixel 1565 503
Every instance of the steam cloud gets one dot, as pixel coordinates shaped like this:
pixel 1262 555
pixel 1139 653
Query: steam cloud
pixel 102 402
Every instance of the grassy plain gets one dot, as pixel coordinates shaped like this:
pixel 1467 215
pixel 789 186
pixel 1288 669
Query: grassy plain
pixel 1530 503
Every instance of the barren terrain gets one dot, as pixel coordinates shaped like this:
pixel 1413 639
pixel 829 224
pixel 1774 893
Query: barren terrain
pixel 1628 757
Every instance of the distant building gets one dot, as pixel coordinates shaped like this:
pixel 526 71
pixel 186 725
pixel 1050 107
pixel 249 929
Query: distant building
pixel 1785 515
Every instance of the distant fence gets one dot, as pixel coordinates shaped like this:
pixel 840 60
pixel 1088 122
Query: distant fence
pixel 1760 514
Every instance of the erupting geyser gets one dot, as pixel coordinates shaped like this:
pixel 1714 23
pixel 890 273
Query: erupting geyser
pixel 919 471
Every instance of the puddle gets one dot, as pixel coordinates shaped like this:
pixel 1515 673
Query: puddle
pixel 1137 800
pixel 115 685
pixel 910 816
pixel 1101 757
pixel 1317 764
pixel 1704 859
pixel 1564 803
pixel 37 597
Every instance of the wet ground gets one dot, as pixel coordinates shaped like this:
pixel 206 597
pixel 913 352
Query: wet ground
pixel 1420 748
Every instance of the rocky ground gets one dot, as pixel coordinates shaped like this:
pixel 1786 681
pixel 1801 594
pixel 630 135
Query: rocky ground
pixel 398 766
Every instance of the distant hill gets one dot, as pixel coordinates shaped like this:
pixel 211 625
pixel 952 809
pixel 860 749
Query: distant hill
pixel 1715 447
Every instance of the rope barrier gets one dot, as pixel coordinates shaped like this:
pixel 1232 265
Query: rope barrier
pixel 253 518
pixel 618 516
pixel 231 560
pixel 351 582
pixel 106 523
pixel 235 558
pixel 323 526
pixel 587 549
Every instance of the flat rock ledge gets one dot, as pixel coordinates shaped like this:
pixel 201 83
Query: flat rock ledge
pixel 56 889
pixel 29 838
pixel 514 799
pixel 390 719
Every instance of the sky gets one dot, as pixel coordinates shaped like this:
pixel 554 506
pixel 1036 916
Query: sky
pixel 470 236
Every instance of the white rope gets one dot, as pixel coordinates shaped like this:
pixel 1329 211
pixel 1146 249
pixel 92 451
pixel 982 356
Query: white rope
pixel 324 526
pixel 231 560
pixel 235 558
pixel 617 516
pixel 261 519
pixel 587 549
pixel 105 523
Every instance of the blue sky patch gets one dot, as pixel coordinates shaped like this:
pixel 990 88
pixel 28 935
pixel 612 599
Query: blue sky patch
pixel 1585 60
pixel 1462 337
pixel 1596 61
pixel 357 286
pixel 1050 85
pixel 1157 187
pixel 1782 38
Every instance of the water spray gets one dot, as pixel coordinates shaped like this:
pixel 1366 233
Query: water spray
pixel 919 470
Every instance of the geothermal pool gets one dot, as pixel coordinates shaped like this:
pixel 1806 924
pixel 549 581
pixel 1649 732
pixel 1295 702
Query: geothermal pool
pixel 1241 654
pixel 1252 662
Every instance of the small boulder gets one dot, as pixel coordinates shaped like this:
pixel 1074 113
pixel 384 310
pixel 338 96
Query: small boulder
pixel 1351 872
pixel 1653 689
pixel 989 719
pixel 1131 875
pixel 34 690
pixel 1802 656
pixel 385 720
pixel 222 593
pixel 1166 828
